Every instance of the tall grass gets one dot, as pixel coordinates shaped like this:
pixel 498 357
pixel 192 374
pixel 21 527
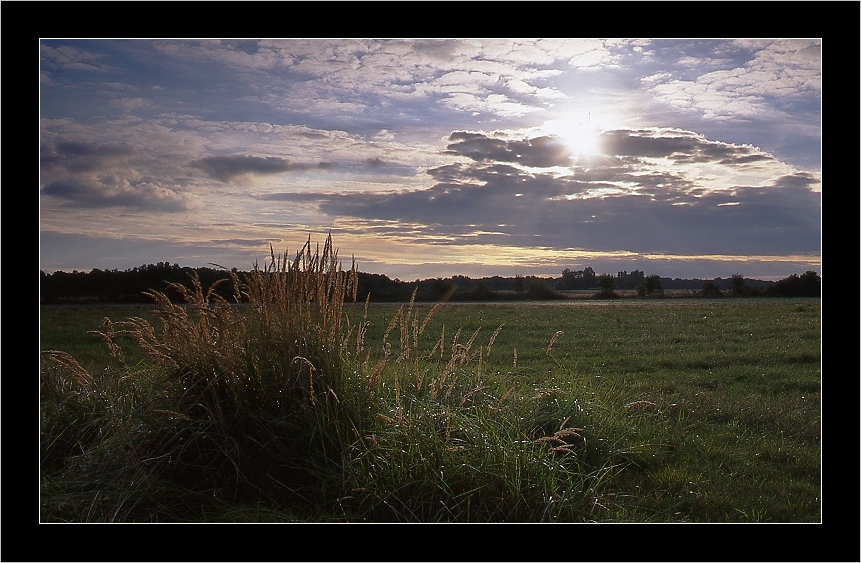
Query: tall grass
pixel 274 404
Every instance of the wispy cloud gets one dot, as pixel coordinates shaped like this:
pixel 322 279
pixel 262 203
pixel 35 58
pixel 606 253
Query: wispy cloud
pixel 227 168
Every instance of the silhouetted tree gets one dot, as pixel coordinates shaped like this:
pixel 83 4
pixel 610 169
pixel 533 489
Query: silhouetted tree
pixel 710 289
pixel 606 282
pixel 538 289
pixel 651 286
pixel 808 284
pixel 738 287
pixel 441 290
pixel 519 284
pixel 607 285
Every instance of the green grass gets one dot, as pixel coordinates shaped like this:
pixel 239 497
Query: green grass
pixel 735 431
pixel 642 411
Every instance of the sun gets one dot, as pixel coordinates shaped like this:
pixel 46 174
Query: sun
pixel 579 130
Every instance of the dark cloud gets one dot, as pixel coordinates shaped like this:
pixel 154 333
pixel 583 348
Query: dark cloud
pixel 660 212
pixel 539 152
pixel 227 168
pixel 96 193
pixel 101 175
pixel 440 50
pixel 797 180
pixel 76 156
pixel 248 46
pixel 611 205
pixel 374 162
pixel 679 146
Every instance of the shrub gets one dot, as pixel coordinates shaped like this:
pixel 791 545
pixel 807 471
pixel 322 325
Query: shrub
pixel 538 289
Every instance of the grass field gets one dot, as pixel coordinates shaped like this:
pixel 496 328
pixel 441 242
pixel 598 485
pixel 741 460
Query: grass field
pixel 688 410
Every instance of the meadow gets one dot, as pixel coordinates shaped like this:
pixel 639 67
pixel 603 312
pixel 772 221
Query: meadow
pixel 306 407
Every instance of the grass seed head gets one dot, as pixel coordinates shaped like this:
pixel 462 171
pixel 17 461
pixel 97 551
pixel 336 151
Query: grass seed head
pixel 552 342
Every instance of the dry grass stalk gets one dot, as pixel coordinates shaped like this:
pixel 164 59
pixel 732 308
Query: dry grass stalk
pixel 429 316
pixel 471 394
pixel 472 339
pixel 559 438
pixel 406 320
pixel 392 323
pixel 420 377
pixel 108 337
pixel 544 391
pixel 442 342
pixel 416 334
pixel 568 432
pixel 360 338
pixel 374 380
pixel 71 365
pixel 311 371
pixel 564 422
pixel 493 338
pixel 639 406
pixel 454 341
pixel 553 341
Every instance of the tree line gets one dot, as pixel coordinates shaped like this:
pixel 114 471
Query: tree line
pixel 129 286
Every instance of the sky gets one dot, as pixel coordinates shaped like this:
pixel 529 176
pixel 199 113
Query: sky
pixel 424 158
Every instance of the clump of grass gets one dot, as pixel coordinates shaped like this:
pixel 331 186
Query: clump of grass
pixel 242 400
pixel 448 442
pixel 274 403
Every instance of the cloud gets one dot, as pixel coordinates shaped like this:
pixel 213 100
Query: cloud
pixel 540 152
pixel 99 175
pixel 113 191
pixel 71 58
pixel 501 77
pixel 434 140
pixel 677 145
pixel 84 156
pixel 771 70
pixel 227 168
pixel 612 206
pixel 437 50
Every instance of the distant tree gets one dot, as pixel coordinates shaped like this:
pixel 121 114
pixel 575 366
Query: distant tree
pixel 630 280
pixel 607 285
pixel 811 284
pixel 738 287
pixel 570 280
pixel 538 289
pixel 589 277
pixel 651 286
pixel 807 285
pixel 482 293
pixel 710 289
pixel 519 284
pixel 441 289
pixel 606 281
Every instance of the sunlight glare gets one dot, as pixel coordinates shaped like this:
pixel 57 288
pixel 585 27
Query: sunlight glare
pixel 579 130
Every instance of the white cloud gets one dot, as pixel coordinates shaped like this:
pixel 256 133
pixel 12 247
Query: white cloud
pixel 72 58
pixel 780 69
